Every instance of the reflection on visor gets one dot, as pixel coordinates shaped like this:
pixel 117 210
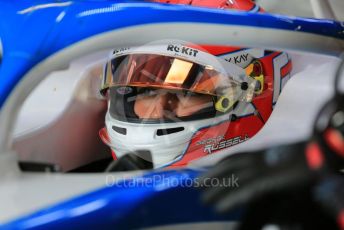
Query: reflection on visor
pixel 158 71
pixel 178 72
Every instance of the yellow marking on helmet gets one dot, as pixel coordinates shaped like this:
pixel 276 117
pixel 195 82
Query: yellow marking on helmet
pixel 260 79
pixel 249 69
pixel 224 104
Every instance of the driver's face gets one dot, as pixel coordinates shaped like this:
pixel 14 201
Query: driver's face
pixel 167 105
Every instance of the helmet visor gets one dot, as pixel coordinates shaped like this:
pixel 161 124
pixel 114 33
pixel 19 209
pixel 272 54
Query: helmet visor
pixel 158 87
pixel 165 72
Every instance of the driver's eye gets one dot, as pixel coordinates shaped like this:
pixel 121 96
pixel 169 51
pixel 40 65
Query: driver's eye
pixel 151 92
pixel 147 92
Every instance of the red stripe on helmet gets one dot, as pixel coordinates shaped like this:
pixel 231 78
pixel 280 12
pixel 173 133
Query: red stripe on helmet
pixel 104 136
pixel 286 69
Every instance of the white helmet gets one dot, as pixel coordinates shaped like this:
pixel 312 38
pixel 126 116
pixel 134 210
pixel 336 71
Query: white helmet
pixel 162 97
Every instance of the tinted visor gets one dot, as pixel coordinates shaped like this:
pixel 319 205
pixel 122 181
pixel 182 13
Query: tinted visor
pixel 165 72
pixel 160 88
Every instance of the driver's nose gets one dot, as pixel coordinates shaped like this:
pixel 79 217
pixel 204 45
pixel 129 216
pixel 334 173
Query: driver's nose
pixel 151 106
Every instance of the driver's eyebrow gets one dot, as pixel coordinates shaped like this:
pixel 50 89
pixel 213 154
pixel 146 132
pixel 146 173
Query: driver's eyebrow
pixel 133 98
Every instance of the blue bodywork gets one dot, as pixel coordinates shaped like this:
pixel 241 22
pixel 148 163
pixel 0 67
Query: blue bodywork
pixel 172 197
pixel 31 31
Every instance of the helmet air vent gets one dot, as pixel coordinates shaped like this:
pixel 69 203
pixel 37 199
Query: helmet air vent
pixel 162 132
pixel 120 130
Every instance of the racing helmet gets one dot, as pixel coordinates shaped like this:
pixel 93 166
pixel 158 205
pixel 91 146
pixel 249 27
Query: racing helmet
pixel 180 101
